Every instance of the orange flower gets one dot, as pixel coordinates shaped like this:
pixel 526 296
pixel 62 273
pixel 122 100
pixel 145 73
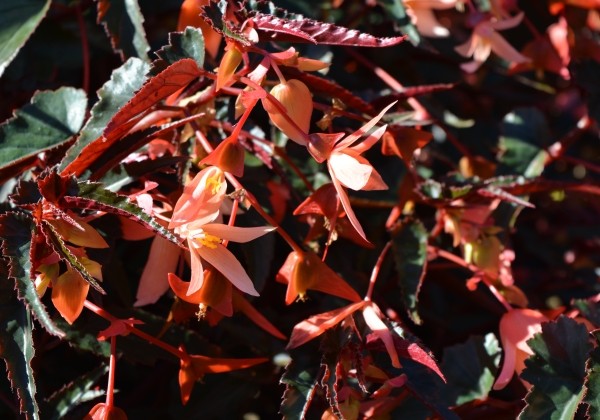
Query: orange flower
pixel 102 411
pixel 193 368
pixel 346 166
pixel 516 328
pixel 485 39
pixel 423 17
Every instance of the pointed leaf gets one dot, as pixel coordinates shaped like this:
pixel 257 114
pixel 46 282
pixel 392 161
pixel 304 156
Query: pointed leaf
pixel 409 242
pixel 75 393
pixel 592 384
pixel 16 344
pixel 94 196
pixel 16 233
pixel 54 117
pixel 123 23
pixel 58 245
pixel 113 95
pixel 308 30
pixel 300 387
pixel 470 368
pixel 186 44
pixel 556 370
pixel 18 20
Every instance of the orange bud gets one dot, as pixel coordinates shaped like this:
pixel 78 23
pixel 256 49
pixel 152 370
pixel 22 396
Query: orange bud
pixel 230 61
pixel 228 156
pixel 68 294
pixel 297 100
pixel 103 411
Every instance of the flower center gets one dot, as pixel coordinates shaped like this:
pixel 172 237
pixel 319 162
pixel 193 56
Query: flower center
pixel 214 183
pixel 209 241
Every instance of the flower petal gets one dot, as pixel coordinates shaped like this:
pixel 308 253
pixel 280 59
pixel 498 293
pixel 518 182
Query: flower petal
pixel 236 233
pixel 162 260
pixel 367 143
pixel 363 130
pixel 349 171
pixel 506 51
pixel 68 294
pixel 381 331
pixel 225 262
pixel 197 276
pixel 348 208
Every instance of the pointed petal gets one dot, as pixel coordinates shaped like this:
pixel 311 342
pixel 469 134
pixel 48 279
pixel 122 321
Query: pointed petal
pixel 203 364
pixel 197 276
pixel 162 259
pixel 201 198
pixel 364 129
pixel 68 294
pixel 367 143
pixel 241 304
pixel 349 171
pixel 381 331
pixel 87 236
pixel 180 288
pixel 316 325
pixel 225 262
pixel 503 49
pixel 228 156
pixel 508 366
pixel 348 209
pixel 235 233
pixel 327 280
pixel 507 23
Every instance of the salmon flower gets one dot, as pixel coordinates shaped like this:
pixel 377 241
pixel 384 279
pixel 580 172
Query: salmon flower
pixel 516 328
pixel 424 18
pixel 346 165
pixel 197 207
pixel 486 39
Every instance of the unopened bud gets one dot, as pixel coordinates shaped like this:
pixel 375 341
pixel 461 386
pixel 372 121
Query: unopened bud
pixel 297 100
pixel 230 61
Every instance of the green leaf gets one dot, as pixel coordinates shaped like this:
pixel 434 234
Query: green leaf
pixel 592 384
pixel 589 309
pixel 15 233
pixel 300 386
pixel 186 44
pixel 16 344
pixel 51 119
pixel 124 24
pixel 556 370
pixel 75 393
pixel 18 20
pixel 409 243
pixel 397 10
pixel 470 368
pixel 95 196
pixel 522 144
pixel 58 245
pixel 113 95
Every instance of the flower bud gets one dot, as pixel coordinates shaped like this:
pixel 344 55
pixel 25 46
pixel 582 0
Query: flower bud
pixel 230 61
pixel 297 100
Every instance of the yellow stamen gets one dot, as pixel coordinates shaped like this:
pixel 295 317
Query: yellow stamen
pixel 201 314
pixel 209 241
pixel 214 183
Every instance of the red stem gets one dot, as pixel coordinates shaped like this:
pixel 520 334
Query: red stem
pixel 153 340
pixel 110 390
pixel 376 269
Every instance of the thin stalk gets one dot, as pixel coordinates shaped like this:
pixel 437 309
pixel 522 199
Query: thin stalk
pixel 110 389
pixel 376 270
pixel 153 340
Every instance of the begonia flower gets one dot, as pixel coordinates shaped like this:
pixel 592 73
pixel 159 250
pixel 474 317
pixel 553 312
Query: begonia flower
pixel 516 328
pixel 346 166
pixel 485 40
pixel 423 16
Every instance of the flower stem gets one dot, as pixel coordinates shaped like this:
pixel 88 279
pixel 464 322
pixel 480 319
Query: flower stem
pixel 110 389
pixel 376 269
pixel 153 340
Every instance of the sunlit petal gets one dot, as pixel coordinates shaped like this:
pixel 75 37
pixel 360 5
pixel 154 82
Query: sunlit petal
pixel 349 171
pixel 225 262
pixel 346 142
pixel 381 331
pixel 348 208
pixel 235 233
pixel 162 260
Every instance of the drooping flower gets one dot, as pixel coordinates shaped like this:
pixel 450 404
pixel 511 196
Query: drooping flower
pixel 346 166
pixel 516 328
pixel 189 15
pixel 423 16
pixel 485 40
pixel 197 207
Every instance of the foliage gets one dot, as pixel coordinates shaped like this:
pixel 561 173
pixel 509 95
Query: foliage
pixel 333 209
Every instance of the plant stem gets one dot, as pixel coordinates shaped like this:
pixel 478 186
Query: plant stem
pixel 110 389
pixel 153 340
pixel 376 269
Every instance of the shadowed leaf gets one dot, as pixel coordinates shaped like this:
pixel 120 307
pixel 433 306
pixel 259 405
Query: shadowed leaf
pixel 18 20
pixel 15 233
pixel 300 386
pixel 409 242
pixel 186 44
pixel 123 23
pixel 54 117
pixel 556 370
